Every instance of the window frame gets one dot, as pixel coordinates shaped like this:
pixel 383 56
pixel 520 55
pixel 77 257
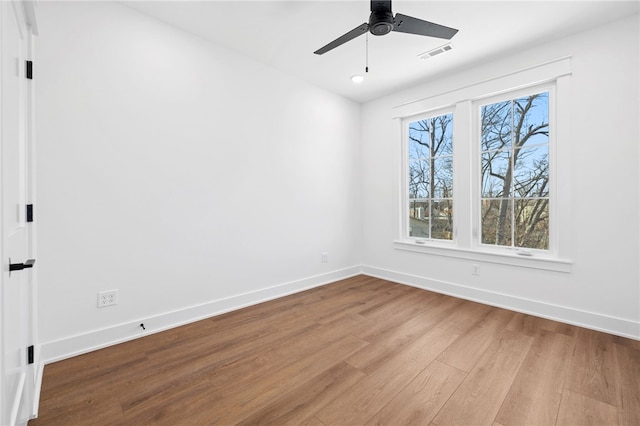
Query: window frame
pixel 476 152
pixel 405 225
pixel 462 102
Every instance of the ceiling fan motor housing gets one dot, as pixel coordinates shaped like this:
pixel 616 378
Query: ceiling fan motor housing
pixel 380 22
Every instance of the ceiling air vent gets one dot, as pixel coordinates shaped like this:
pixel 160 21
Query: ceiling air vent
pixel 434 52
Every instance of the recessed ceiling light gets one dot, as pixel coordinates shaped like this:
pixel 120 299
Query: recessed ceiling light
pixel 357 78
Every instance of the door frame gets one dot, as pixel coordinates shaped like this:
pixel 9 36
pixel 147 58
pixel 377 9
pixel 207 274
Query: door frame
pixel 25 14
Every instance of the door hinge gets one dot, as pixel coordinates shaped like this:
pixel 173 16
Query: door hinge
pixel 30 356
pixel 29 70
pixel 29 212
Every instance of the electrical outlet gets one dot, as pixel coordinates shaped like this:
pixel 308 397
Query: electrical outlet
pixel 107 298
pixel 324 257
pixel 475 269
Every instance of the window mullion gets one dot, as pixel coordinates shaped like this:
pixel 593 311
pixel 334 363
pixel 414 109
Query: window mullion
pixel 512 164
pixel 465 170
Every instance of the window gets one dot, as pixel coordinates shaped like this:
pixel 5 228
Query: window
pixel 430 177
pixel 514 194
pixel 479 177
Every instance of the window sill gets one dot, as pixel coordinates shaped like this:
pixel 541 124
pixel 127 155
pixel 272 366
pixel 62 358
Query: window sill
pixel 535 262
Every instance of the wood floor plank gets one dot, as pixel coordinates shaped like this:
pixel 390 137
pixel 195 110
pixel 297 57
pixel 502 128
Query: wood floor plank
pixel 432 310
pixel 394 313
pixel 229 404
pixel 91 412
pixel 534 397
pixel 629 343
pixel 223 371
pixel 272 386
pixel 203 362
pixel 313 421
pixel 96 366
pixel 465 352
pixel 479 397
pixel 592 369
pixel 392 340
pixel 362 401
pixel 356 301
pixel 100 381
pixel 419 402
pixel 359 304
pixel 628 379
pixel 577 409
pixel 466 315
pixel 305 400
pixel 357 350
pixel 530 325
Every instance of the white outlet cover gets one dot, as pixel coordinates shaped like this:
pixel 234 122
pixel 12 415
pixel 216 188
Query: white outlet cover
pixel 107 298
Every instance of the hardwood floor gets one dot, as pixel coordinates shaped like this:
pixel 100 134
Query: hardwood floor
pixel 358 351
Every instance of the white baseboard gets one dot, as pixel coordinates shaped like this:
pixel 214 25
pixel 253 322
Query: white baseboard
pixel 97 339
pixel 608 324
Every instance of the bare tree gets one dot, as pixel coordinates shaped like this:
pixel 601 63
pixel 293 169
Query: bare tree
pixel 515 179
pixel 431 169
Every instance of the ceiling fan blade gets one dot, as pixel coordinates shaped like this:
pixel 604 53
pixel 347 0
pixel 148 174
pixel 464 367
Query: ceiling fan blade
pixel 411 25
pixel 343 39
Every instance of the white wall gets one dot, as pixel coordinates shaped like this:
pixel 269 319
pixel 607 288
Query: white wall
pixel 188 177
pixel 194 181
pixel 602 290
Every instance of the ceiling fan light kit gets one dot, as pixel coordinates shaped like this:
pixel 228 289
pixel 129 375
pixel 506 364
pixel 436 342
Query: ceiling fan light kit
pixel 382 21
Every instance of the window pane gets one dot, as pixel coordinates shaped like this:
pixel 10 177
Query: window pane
pixel 419 179
pixel 419 219
pixel 532 224
pixel 495 174
pixel 442 219
pixel 496 126
pixel 531 176
pixel 443 134
pixel 496 222
pixel 443 177
pixel 417 150
pixel 531 119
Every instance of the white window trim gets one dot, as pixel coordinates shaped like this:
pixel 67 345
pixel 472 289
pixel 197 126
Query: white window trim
pixel 475 172
pixel 463 102
pixel 405 174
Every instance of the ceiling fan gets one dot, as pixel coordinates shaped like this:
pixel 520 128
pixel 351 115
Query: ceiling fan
pixel 382 21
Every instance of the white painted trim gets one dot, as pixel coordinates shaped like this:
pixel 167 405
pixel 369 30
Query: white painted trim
pixel 519 79
pixel 30 15
pixel 17 399
pixel 97 339
pixel 502 257
pixel 591 320
pixel 39 372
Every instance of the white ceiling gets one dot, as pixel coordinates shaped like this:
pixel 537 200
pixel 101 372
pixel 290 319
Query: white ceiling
pixel 284 34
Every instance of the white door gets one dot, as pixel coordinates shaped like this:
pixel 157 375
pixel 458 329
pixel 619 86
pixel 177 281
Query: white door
pixel 16 319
